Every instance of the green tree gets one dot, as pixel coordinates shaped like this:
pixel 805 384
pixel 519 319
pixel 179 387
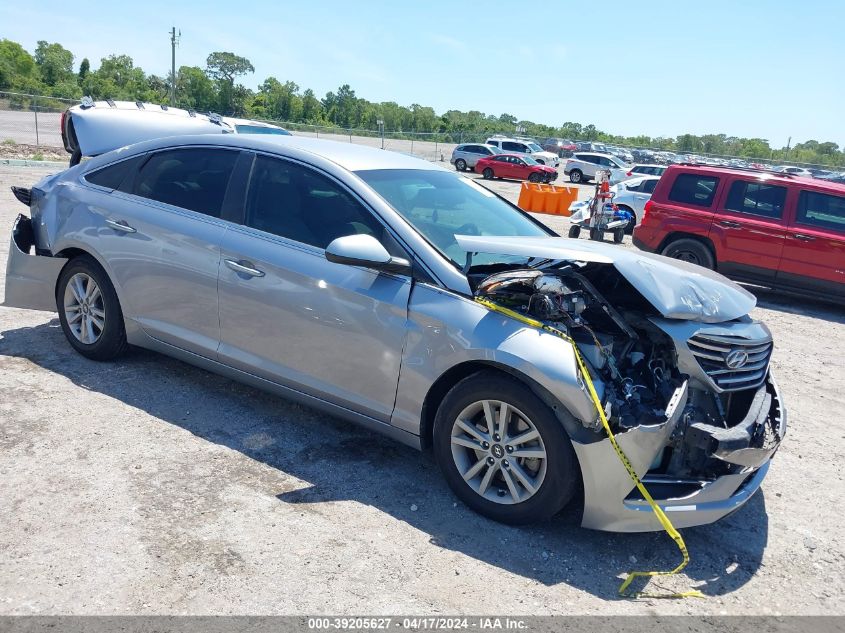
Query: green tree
pixel 54 61
pixel 18 70
pixel 84 69
pixel 224 67
pixel 194 90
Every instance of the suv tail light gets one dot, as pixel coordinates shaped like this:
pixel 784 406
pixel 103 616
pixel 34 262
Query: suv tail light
pixel 648 206
pixel 630 173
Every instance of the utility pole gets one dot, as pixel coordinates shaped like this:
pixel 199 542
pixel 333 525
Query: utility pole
pixel 174 40
pixel 381 129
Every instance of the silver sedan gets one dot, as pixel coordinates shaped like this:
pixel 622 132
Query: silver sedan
pixel 406 298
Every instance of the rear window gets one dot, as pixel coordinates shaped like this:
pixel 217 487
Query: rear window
pixel 191 178
pixel 113 175
pixel 693 189
pixel 756 199
pixel 822 210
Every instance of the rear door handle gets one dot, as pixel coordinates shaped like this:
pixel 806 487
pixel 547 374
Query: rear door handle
pixel 729 224
pixel 120 226
pixel 803 237
pixel 245 268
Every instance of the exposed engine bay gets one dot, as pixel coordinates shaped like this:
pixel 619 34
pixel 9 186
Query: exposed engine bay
pixel 643 368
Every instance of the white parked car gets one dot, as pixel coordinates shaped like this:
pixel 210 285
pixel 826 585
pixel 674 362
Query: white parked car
pixel 632 195
pixel 583 166
pixel 795 171
pixel 523 146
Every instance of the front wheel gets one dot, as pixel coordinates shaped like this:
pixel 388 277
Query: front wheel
pixel 487 173
pixel 502 450
pixel 534 177
pixel 89 310
pixel 690 250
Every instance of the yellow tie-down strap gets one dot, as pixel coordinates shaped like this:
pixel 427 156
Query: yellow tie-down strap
pixel 658 511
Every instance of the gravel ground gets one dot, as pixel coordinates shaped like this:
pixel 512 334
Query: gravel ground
pixel 150 487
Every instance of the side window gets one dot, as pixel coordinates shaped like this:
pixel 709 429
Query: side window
pixel 494 143
pixel 296 202
pixel 113 175
pixel 502 159
pixel 692 189
pixel 486 151
pixel 648 186
pixel 191 178
pixel 510 146
pixel 822 210
pixel 756 199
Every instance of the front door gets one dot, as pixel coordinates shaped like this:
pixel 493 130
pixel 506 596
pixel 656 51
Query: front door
pixel 288 314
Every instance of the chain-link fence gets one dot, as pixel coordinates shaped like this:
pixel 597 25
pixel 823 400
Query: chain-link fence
pixel 35 119
pixel 31 119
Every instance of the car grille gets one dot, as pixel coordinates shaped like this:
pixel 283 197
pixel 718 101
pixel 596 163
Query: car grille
pixel 717 356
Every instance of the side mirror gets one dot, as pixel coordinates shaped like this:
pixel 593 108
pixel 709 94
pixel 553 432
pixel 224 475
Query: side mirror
pixel 365 250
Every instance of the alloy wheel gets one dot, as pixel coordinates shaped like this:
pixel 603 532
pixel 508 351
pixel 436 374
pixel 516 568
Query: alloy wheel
pixel 84 308
pixel 499 452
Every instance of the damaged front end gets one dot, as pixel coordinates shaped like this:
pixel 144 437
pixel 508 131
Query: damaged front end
pixel 692 403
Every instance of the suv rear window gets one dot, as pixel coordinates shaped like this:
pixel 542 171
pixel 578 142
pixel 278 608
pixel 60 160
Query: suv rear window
pixel 818 209
pixel 756 199
pixel 693 189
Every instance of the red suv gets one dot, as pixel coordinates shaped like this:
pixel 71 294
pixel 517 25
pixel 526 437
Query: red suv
pixel 764 228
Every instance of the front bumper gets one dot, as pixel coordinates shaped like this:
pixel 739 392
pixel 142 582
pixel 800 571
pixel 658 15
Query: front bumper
pixel 30 279
pixel 612 502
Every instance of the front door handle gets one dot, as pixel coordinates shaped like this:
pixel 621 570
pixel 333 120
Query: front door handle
pixel 245 268
pixel 120 226
pixel 730 225
pixel 803 237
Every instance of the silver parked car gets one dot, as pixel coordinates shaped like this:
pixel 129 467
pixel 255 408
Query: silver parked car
pixel 376 286
pixel 466 156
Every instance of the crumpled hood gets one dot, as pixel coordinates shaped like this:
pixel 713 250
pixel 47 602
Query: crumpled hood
pixel 678 290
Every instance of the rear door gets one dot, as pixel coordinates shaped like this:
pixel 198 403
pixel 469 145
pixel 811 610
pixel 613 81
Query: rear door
pixel 749 228
pixel 814 247
pixel 161 239
pixel 684 205
pixel 288 314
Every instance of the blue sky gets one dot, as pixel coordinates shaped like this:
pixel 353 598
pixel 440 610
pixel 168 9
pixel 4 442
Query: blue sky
pixel 755 68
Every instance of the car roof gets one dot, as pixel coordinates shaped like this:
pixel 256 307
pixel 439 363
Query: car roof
pixel 768 176
pixel 349 156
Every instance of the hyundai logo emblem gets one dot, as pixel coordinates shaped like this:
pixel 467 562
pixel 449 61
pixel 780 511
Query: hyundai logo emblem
pixel 736 359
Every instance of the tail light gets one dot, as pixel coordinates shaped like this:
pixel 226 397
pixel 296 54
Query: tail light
pixel 62 121
pixel 629 173
pixel 648 206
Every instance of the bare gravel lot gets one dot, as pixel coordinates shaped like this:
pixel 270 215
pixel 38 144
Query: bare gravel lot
pixel 150 487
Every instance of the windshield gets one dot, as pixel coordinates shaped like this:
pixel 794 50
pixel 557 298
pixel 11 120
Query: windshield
pixel 440 205
pixel 495 150
pixel 534 147
pixel 529 160
pixel 260 129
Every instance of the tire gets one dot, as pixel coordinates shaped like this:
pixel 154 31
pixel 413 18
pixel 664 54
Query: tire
pixel 534 177
pixel 487 173
pixel 554 477
pixel 461 164
pixel 618 235
pixel 597 235
pixel 629 229
pixel 576 176
pixel 574 231
pixel 690 250
pixel 94 325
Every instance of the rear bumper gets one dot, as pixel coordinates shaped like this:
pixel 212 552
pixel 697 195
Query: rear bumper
pixel 640 244
pixel 30 279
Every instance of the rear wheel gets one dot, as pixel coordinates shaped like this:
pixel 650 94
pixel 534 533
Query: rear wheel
pixel 690 250
pixel 576 176
pixel 502 450
pixel 89 311
pixel 574 231
pixel 618 235
pixel 461 164
pixel 487 173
